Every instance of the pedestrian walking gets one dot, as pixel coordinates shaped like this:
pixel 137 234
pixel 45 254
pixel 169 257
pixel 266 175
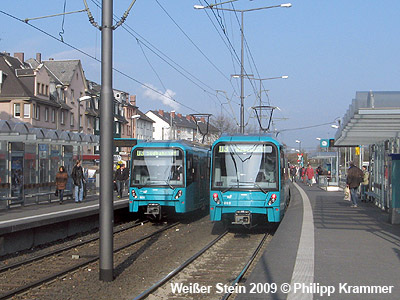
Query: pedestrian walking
pixel 354 178
pixel 303 174
pixel 79 181
pixel 120 177
pixel 61 182
pixel 364 184
pixel 293 173
pixel 309 175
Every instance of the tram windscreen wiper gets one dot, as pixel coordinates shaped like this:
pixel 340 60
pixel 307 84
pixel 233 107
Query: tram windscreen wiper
pixel 262 190
pixel 167 182
pixel 142 186
pixel 227 189
pixel 255 184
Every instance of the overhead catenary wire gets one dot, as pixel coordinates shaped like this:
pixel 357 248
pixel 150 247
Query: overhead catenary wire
pixel 165 58
pixel 96 59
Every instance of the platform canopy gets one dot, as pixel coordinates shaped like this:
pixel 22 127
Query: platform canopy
pixel 21 132
pixel 371 118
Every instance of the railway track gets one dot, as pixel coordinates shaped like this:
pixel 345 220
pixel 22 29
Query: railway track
pixel 36 271
pixel 213 272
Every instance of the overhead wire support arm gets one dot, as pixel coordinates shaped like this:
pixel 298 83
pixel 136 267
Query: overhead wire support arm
pixel 56 15
pixel 119 23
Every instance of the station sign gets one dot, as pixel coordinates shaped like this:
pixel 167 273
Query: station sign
pixel 324 143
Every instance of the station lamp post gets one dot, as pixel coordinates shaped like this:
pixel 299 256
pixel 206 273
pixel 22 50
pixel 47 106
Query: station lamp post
pixel 242 75
pixel 299 142
pixel 81 99
pixel 133 120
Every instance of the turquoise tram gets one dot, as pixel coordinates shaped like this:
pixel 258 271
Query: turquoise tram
pixel 249 180
pixel 168 177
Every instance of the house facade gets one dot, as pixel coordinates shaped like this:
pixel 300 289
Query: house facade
pixel 175 126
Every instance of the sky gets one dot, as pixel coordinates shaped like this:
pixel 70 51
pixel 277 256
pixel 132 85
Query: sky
pixel 175 57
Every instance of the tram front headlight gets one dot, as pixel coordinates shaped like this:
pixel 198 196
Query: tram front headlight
pixel 216 198
pixel 134 194
pixel 178 194
pixel 272 199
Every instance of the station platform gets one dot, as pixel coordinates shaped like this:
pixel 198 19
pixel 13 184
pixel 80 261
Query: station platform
pixel 324 249
pixel 23 227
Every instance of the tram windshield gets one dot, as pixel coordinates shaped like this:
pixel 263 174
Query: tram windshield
pixel 245 166
pixel 157 167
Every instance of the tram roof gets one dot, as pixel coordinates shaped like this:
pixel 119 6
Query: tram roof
pixel 171 143
pixel 257 137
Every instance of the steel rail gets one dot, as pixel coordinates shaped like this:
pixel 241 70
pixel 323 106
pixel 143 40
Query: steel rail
pixel 56 251
pixel 88 261
pixel 246 267
pixel 178 269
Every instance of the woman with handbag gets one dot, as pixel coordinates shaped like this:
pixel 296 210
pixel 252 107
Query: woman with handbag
pixel 61 182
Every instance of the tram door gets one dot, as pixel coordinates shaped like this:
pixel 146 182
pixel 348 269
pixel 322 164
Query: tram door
pixel 17 171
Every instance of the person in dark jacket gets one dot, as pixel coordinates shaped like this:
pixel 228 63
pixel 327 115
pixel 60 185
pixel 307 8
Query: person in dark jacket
pixel 354 178
pixel 121 175
pixel 79 180
pixel 61 182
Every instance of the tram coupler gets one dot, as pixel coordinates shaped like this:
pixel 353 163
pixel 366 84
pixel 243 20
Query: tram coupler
pixel 242 217
pixel 153 209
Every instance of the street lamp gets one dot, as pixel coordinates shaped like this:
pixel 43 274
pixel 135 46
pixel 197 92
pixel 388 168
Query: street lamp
pixel 81 99
pixel 299 142
pixel 242 48
pixel 134 117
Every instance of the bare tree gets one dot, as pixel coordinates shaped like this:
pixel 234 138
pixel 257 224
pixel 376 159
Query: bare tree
pixel 224 124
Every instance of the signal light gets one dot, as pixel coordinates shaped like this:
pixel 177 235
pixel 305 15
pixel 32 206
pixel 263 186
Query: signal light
pixel 272 199
pixel 216 199
pixel 134 194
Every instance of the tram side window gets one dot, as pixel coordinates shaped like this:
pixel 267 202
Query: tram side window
pixel 196 168
pixel 189 169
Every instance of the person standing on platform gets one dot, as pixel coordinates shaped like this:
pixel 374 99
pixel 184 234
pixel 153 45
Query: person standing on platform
pixel 61 182
pixel 309 175
pixel 364 184
pixel 120 176
pixel 354 178
pixel 79 180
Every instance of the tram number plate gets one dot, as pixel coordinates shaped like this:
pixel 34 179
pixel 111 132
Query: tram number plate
pixel 242 217
pixel 153 208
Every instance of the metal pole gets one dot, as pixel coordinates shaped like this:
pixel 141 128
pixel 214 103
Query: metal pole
pixel 106 146
pixel 242 82
pixel 260 108
pixel 79 116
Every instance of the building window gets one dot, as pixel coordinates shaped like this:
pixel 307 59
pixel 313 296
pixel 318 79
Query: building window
pixel 37 88
pixel 71 123
pixel 62 117
pixel 17 110
pixel 47 90
pixel 53 115
pixel 97 124
pixel 117 128
pixel 37 114
pixel 42 91
pixel 27 110
pixel 46 114
pixel 73 96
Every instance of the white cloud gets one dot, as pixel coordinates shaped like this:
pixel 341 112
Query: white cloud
pixel 157 95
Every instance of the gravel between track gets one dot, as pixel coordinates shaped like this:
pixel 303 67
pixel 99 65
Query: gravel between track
pixel 137 268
